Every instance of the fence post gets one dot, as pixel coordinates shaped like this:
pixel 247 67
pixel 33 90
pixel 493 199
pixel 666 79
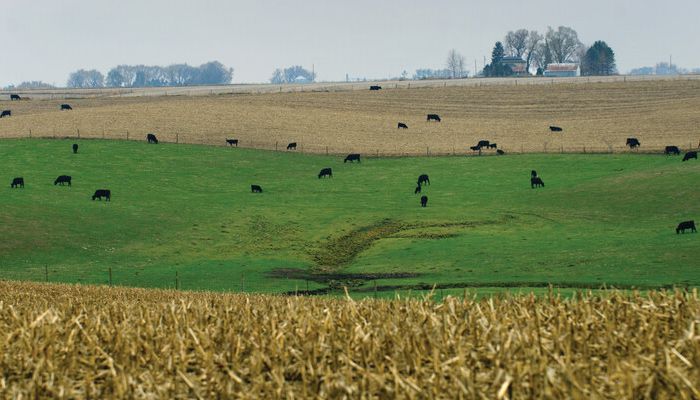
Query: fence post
pixel 127 134
pixel 46 272
pixel 78 129
pixel 177 281
pixel 30 133
pixel 103 132
pixel 276 142
pixel 427 151
pixel 110 276
pixel 177 138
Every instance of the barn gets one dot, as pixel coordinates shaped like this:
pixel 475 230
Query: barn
pixel 517 65
pixel 562 70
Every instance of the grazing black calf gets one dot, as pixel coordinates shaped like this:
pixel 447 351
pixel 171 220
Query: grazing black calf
pixel 292 146
pixel 66 107
pixel 555 129
pixel 632 142
pixel 483 143
pixel 231 142
pixel 255 189
pixel 375 87
pixel 533 173
pixel 15 97
pixel 500 152
pixel 492 145
pixel 689 155
pixel 6 113
pixel 672 150
pixel 433 117
pixel 402 126
pixel 62 179
pixel 17 182
pixel 325 172
pixel 686 225
pixel 352 158
pixel 423 179
pixel 418 190
pixel 535 182
pixel 100 193
pixel 424 201
pixel 152 138
pixel 475 148
pixel 75 148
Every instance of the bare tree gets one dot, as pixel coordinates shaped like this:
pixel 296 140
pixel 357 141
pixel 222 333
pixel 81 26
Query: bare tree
pixel 455 64
pixel 516 42
pixel 533 42
pixel 86 79
pixel 563 44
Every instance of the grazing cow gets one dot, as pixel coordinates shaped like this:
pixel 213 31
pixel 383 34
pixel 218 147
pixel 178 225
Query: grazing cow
pixel 418 190
pixel 424 201
pixel 6 113
pixel 66 107
pixel 632 142
pixel 231 142
pixel 689 155
pixel 100 193
pixel 152 138
pixel 402 126
pixel 75 148
pixel 686 225
pixel 15 97
pixel 533 173
pixel 375 87
pixel 535 182
pixel 62 179
pixel 325 172
pixel 352 158
pixel 672 150
pixel 17 182
pixel 292 146
pixel 433 117
pixel 255 189
pixel 500 152
pixel 483 143
pixel 555 129
pixel 423 179
pixel 475 148
pixel 492 145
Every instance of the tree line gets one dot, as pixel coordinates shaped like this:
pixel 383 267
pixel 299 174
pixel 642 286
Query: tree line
pixel 211 73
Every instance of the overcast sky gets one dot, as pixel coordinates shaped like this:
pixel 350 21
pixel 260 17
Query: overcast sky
pixel 48 39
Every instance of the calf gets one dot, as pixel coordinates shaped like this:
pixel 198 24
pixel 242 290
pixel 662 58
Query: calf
pixel 483 143
pixel 423 179
pixel 433 117
pixel 672 150
pixel 500 152
pixel 152 138
pixel 17 183
pixel 292 146
pixel 475 148
pixel 325 172
pixel 62 179
pixel 75 148
pixel 375 87
pixel 6 113
pixel 15 97
pixel 100 193
pixel 255 189
pixel 402 126
pixel 231 142
pixel 535 182
pixel 686 225
pixel 352 158
pixel 689 155
pixel 424 201
pixel 418 190
pixel 555 129
pixel 66 107
pixel 632 142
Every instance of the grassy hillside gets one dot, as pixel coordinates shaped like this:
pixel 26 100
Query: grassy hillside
pixel 601 219
pixel 595 117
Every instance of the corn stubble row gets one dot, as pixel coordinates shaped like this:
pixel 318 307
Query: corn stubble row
pixel 63 341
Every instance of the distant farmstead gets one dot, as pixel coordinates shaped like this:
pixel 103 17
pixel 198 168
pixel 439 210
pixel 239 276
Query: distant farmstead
pixel 517 65
pixel 562 70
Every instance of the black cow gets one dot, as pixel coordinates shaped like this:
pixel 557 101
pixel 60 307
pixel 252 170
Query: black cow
pixel 62 179
pixel 17 182
pixel 483 143
pixel 535 182
pixel 424 201
pixel 672 150
pixel 352 158
pixel 6 113
pixel 66 107
pixel 152 138
pixel 231 142
pixel 402 126
pixel 423 179
pixel 292 146
pixel 75 148
pixel 375 87
pixel 325 172
pixel 492 145
pixel 433 117
pixel 100 193
pixel 418 190
pixel 533 173
pixel 500 152
pixel 255 189
pixel 475 148
pixel 689 155
pixel 632 142
pixel 686 225
pixel 555 129
pixel 15 97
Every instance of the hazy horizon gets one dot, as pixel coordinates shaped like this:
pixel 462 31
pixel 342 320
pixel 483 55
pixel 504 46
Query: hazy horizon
pixel 365 39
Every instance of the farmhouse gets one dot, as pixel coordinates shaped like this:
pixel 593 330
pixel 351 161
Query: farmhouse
pixel 517 65
pixel 562 70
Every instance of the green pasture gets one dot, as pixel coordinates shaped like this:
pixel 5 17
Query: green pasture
pixel 187 210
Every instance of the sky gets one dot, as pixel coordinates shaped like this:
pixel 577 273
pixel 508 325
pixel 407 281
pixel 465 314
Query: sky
pixel 48 39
